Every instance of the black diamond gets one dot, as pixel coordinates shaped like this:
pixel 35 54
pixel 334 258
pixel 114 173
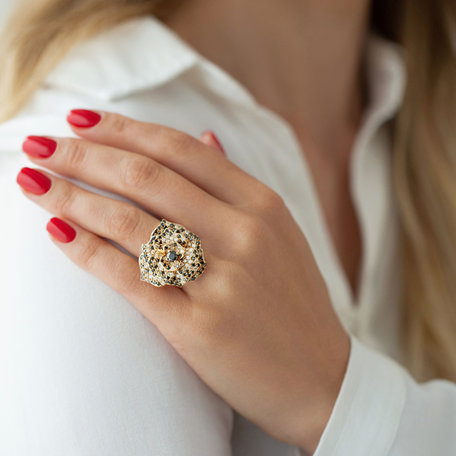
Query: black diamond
pixel 171 256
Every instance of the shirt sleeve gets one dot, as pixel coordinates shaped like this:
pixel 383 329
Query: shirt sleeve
pixel 381 410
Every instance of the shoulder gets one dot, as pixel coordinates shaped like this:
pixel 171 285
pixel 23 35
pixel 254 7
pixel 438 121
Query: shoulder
pixel 136 68
pixel 135 55
pixel 60 301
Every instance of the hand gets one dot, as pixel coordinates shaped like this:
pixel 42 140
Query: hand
pixel 258 325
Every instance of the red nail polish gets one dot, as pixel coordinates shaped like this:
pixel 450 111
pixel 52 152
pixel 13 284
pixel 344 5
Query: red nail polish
pixel 33 181
pixel 60 230
pixel 39 146
pixel 83 118
pixel 217 142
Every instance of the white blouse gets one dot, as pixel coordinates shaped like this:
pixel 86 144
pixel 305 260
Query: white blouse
pixel 83 373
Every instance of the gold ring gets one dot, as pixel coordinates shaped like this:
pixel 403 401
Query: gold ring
pixel 173 256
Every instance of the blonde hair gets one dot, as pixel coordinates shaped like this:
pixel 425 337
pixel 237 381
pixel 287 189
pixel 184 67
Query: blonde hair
pixel 424 166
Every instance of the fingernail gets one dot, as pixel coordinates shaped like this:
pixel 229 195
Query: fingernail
pixel 60 230
pixel 217 142
pixel 39 146
pixel 83 118
pixel 33 181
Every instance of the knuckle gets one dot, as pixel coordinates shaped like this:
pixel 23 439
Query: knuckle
pixel 139 173
pixel 86 254
pixel 181 142
pixel 65 199
pixel 270 201
pixel 249 230
pixel 75 153
pixel 223 282
pixel 123 221
pixel 265 200
pixel 120 124
pixel 227 287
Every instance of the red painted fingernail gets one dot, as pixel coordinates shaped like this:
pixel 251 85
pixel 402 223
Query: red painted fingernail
pixel 39 146
pixel 83 118
pixel 217 142
pixel 61 230
pixel 33 181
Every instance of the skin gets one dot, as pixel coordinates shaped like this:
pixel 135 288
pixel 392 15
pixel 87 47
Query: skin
pixel 266 339
pixel 305 67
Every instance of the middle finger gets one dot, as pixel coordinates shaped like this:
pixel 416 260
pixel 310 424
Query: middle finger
pixel 160 190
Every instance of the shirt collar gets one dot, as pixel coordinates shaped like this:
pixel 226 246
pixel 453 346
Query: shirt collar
pixel 136 55
pixel 143 53
pixel 386 75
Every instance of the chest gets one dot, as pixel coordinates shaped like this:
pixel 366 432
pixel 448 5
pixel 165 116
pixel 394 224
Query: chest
pixel 331 176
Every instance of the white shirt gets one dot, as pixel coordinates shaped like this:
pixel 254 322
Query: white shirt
pixel 83 373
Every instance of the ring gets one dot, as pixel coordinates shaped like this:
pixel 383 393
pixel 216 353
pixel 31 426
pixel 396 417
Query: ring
pixel 173 256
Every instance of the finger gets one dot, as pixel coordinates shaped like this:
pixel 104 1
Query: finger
pixel 174 149
pixel 119 221
pixel 208 138
pixel 153 186
pixel 161 305
pixel 122 222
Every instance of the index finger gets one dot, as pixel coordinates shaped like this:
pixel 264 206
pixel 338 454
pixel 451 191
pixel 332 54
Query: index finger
pixel 174 149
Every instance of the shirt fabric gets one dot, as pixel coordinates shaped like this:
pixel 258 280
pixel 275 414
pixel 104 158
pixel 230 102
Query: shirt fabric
pixel 84 373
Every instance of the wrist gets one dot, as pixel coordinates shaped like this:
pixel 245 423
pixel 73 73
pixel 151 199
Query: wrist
pixel 310 424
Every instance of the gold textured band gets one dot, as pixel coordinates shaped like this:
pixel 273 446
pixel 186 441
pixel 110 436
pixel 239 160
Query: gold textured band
pixel 173 256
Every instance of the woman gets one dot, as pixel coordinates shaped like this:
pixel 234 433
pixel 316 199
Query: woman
pixel 321 320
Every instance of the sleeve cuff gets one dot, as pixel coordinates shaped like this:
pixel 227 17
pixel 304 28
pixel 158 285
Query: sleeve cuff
pixel 367 411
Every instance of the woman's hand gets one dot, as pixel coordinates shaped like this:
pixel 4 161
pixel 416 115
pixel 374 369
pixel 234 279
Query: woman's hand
pixel 258 325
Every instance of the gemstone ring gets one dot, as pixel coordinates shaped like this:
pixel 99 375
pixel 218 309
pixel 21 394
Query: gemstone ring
pixel 173 256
